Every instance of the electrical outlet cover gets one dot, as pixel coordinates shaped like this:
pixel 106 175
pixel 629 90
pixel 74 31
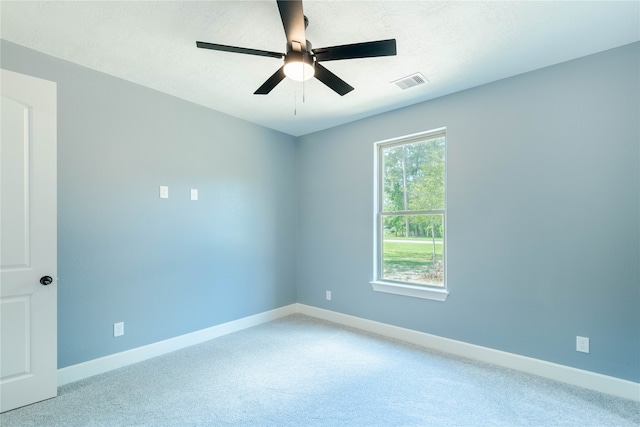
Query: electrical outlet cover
pixel 582 344
pixel 118 329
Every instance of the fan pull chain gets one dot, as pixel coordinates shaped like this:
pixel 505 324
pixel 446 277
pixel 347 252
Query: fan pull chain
pixel 303 83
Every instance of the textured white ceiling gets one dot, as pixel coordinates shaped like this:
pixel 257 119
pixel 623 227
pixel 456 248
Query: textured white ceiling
pixel 456 45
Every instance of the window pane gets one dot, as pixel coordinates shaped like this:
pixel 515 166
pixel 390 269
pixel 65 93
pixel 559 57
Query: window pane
pixel 413 248
pixel 413 176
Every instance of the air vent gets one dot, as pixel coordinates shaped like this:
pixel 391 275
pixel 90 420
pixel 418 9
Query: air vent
pixel 410 81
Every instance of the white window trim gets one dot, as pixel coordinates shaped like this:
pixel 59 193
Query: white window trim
pixel 398 288
pixel 408 290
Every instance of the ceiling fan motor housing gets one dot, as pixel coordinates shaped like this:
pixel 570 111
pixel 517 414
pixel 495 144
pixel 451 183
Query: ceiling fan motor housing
pixel 297 46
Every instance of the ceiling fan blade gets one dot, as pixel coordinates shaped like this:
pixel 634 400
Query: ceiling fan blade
pixel 356 50
pixel 332 81
pixel 271 82
pixel 234 49
pixel 293 22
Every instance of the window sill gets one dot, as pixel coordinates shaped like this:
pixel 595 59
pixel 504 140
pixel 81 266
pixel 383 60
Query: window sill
pixel 410 290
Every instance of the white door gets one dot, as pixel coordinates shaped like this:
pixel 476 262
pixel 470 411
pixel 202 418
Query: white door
pixel 28 309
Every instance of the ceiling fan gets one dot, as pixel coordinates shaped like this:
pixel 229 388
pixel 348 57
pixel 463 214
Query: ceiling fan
pixel 302 62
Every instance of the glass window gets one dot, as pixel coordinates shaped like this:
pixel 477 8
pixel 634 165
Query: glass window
pixel 411 210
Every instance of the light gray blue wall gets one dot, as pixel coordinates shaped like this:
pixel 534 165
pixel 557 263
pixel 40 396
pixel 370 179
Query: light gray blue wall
pixel 543 215
pixel 164 267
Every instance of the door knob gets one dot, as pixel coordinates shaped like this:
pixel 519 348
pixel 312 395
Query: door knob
pixel 46 280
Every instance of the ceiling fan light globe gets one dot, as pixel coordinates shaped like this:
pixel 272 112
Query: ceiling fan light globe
pixel 298 70
pixel 298 66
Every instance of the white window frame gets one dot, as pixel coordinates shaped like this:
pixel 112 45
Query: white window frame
pixel 378 284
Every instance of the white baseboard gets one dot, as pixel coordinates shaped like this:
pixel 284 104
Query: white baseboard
pixel 590 380
pixel 578 377
pixel 104 364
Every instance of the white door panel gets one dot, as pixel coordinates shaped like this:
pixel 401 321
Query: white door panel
pixel 28 309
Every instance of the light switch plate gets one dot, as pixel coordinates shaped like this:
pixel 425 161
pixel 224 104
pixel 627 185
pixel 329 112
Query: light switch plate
pixel 164 192
pixel 194 194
